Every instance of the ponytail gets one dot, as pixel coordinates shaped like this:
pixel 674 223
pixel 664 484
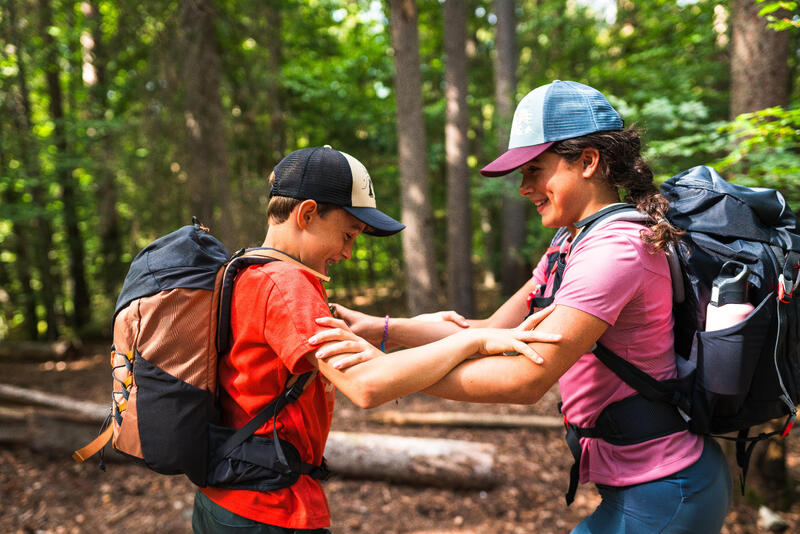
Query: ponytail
pixel 623 168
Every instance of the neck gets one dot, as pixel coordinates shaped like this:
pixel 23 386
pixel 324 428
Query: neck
pixel 281 237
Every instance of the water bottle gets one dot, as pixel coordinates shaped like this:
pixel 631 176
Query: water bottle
pixel 729 303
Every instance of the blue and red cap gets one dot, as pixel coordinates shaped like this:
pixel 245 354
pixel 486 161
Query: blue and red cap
pixel 553 112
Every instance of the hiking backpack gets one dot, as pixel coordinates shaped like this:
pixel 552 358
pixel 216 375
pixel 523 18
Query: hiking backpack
pixel 728 380
pixel 171 326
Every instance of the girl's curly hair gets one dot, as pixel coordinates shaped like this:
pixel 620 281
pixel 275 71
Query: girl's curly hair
pixel 622 166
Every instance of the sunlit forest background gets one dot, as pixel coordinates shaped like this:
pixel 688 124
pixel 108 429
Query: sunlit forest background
pixel 120 120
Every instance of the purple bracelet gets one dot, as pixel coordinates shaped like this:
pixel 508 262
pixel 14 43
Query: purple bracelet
pixel 385 333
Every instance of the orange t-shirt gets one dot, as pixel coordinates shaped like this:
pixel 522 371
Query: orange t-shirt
pixel 272 317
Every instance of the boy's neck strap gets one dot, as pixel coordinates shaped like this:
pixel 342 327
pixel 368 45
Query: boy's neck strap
pixel 282 256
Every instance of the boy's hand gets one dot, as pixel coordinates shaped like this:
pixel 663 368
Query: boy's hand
pixel 339 341
pixel 448 315
pixel 368 327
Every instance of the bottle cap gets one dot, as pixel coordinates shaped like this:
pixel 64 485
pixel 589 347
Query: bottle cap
pixel 730 285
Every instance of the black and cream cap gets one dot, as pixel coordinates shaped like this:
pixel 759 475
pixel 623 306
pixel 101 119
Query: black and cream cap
pixel 327 175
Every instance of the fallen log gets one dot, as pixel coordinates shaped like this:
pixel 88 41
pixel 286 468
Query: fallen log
pixel 462 419
pixel 426 461
pixel 57 424
pixel 40 398
pixel 38 351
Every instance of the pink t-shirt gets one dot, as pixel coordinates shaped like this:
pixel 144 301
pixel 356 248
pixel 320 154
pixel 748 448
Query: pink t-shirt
pixel 612 275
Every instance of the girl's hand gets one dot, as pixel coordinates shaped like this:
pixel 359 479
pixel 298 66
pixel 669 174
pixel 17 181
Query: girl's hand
pixel 448 315
pixel 366 326
pixel 498 341
pixel 349 348
pixel 533 321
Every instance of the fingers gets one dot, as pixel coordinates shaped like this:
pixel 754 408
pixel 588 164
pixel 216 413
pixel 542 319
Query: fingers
pixel 333 334
pixel 532 321
pixel 456 318
pixel 332 322
pixel 339 347
pixel 528 352
pixel 348 361
pixel 530 336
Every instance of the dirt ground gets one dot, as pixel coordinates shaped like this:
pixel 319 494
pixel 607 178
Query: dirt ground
pixel 45 493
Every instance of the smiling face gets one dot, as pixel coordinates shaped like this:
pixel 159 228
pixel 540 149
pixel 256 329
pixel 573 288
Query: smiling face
pixel 557 188
pixel 328 239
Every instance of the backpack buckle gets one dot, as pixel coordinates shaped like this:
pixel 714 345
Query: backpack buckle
pixel 786 288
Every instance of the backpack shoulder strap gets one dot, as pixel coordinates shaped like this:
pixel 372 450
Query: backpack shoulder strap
pixel 294 388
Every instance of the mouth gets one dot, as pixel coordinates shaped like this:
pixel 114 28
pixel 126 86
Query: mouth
pixel 540 203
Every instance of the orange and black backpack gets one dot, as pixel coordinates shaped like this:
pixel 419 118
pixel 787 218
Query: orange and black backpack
pixel 171 326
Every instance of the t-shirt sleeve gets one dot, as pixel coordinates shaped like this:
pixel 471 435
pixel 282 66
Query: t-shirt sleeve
pixel 539 274
pixel 603 274
pixel 296 299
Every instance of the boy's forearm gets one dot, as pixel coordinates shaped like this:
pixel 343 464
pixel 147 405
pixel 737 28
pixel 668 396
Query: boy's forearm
pixel 394 375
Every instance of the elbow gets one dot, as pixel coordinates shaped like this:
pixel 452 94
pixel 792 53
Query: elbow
pixel 529 393
pixel 364 395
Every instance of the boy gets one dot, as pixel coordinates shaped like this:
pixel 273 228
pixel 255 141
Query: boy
pixel 321 199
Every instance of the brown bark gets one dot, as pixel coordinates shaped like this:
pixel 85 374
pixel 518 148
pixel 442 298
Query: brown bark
pixel 759 61
pixel 459 217
pixel 75 243
pixel 514 269
pixel 422 283
pixel 206 150
pixel 460 419
pixel 108 218
pixel 40 232
pixel 759 80
pixel 418 461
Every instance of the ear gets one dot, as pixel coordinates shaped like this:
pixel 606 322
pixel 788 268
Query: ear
pixel 304 212
pixel 590 160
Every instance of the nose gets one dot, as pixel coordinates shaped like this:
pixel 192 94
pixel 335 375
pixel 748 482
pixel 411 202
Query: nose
pixel 347 251
pixel 524 187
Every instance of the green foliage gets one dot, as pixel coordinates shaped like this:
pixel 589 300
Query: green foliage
pixel 664 65
pixel 780 15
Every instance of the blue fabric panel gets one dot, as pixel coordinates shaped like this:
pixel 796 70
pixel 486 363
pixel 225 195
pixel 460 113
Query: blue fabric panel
pixel 188 257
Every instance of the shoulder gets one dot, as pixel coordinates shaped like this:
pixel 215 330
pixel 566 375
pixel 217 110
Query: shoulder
pixel 287 276
pixel 620 243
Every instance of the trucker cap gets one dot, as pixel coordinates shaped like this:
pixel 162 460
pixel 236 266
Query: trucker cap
pixel 327 175
pixel 553 112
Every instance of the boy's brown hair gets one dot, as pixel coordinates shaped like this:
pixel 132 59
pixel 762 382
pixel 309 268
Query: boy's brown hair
pixel 279 208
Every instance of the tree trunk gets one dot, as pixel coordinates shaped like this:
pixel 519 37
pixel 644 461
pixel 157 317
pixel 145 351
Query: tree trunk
pixel 459 219
pixel 759 80
pixel 95 56
pixel 41 229
pixel 514 268
pixel 206 156
pixel 80 293
pixel 422 283
pixel 759 61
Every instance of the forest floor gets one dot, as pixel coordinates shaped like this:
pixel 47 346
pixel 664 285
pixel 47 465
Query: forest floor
pixel 45 493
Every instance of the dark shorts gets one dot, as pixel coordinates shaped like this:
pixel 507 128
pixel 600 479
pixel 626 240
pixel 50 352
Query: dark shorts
pixel 210 518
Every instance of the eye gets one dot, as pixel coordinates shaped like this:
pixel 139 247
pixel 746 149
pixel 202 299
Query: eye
pixel 348 236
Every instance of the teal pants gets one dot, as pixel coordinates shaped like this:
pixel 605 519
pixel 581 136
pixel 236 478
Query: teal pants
pixel 694 500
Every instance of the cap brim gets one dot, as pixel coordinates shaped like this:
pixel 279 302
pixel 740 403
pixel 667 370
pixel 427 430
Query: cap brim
pixel 378 223
pixel 513 158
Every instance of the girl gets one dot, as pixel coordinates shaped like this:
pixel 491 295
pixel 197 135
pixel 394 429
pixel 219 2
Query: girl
pixel 615 289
